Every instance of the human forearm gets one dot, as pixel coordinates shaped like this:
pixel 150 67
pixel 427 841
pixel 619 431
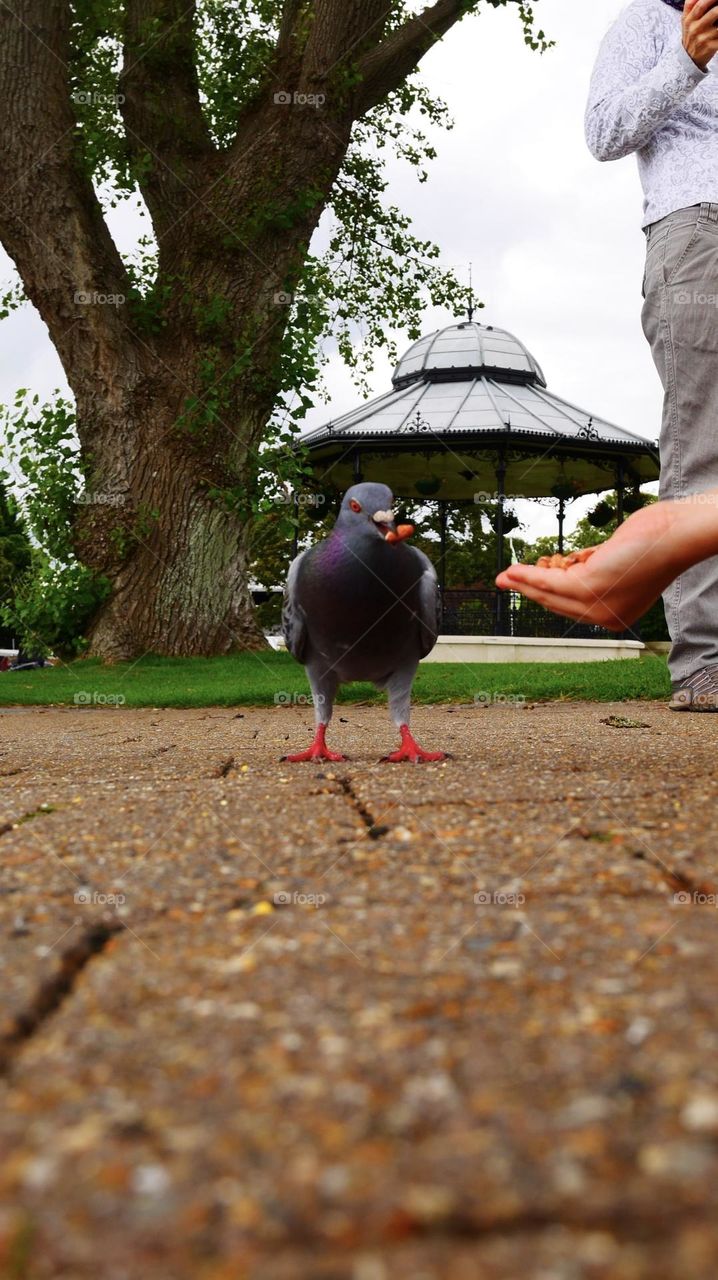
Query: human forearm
pixel 615 583
pixel 622 118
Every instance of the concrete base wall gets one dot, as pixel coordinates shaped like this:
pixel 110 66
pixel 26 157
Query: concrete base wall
pixel 509 649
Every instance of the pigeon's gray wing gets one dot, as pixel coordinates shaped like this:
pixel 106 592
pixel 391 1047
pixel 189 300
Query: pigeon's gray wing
pixel 429 605
pixel 294 620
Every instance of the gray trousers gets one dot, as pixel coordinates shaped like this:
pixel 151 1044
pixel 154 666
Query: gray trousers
pixel 680 320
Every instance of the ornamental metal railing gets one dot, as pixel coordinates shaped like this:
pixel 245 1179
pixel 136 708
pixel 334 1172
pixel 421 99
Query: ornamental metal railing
pixel 483 612
pixel 504 613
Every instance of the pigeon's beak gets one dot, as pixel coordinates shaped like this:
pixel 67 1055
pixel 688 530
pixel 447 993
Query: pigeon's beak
pixel 401 532
pixel 388 528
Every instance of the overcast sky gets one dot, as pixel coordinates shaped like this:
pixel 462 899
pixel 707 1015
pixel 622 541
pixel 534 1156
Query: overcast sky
pixel 555 237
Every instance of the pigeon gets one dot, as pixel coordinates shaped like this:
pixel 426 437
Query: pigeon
pixel 362 605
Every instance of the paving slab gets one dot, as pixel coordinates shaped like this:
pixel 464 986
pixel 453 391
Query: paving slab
pixel 358 1021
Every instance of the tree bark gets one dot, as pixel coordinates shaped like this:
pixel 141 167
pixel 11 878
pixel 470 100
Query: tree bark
pixel 183 590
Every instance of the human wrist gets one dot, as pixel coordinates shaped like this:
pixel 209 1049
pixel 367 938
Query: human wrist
pixel 693 60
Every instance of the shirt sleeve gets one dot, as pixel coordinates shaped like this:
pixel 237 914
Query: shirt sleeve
pixel 635 87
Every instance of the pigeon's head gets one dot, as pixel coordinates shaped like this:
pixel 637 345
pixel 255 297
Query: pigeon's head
pixel 366 508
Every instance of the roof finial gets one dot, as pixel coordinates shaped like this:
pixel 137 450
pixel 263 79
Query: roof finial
pixel 471 292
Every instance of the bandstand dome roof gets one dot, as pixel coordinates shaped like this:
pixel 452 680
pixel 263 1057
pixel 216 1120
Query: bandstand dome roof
pixel 468 349
pixel 465 401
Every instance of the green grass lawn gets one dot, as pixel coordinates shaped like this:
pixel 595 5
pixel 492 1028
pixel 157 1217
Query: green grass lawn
pixel 266 678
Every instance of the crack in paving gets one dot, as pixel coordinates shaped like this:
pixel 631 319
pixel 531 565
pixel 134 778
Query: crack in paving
pixel 224 769
pixel 629 1225
pixel 678 881
pixel 626 1222
pixel 42 811
pixel 54 990
pixel 375 829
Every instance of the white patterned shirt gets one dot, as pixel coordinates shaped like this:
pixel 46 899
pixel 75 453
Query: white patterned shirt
pixel 648 95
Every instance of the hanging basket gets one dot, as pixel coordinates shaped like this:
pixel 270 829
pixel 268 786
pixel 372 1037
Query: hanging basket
pixel 566 491
pixel 601 515
pixel 634 501
pixel 511 522
pixel 428 488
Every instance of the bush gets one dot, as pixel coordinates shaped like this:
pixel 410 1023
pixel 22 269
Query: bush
pixel 653 625
pixel 52 606
pixel 52 596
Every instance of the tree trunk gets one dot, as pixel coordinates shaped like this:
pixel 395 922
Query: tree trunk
pixel 193 599
pixel 154 522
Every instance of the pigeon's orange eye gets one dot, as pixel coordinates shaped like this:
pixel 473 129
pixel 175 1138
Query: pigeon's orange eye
pixel 355 506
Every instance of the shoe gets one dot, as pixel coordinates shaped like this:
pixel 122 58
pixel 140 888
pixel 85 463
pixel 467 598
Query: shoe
pixel 698 693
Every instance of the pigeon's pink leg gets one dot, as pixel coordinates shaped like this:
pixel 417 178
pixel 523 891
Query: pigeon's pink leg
pixel 318 750
pixel 411 751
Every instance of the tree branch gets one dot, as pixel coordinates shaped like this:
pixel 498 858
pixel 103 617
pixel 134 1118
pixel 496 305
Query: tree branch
pixel 167 131
pixel 342 28
pixel 386 67
pixel 51 223
pixel 291 11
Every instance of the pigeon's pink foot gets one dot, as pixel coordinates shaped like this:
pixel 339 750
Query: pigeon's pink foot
pixel 318 750
pixel 411 751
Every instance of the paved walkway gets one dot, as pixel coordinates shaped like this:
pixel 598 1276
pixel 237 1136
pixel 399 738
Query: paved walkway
pixel 359 1022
